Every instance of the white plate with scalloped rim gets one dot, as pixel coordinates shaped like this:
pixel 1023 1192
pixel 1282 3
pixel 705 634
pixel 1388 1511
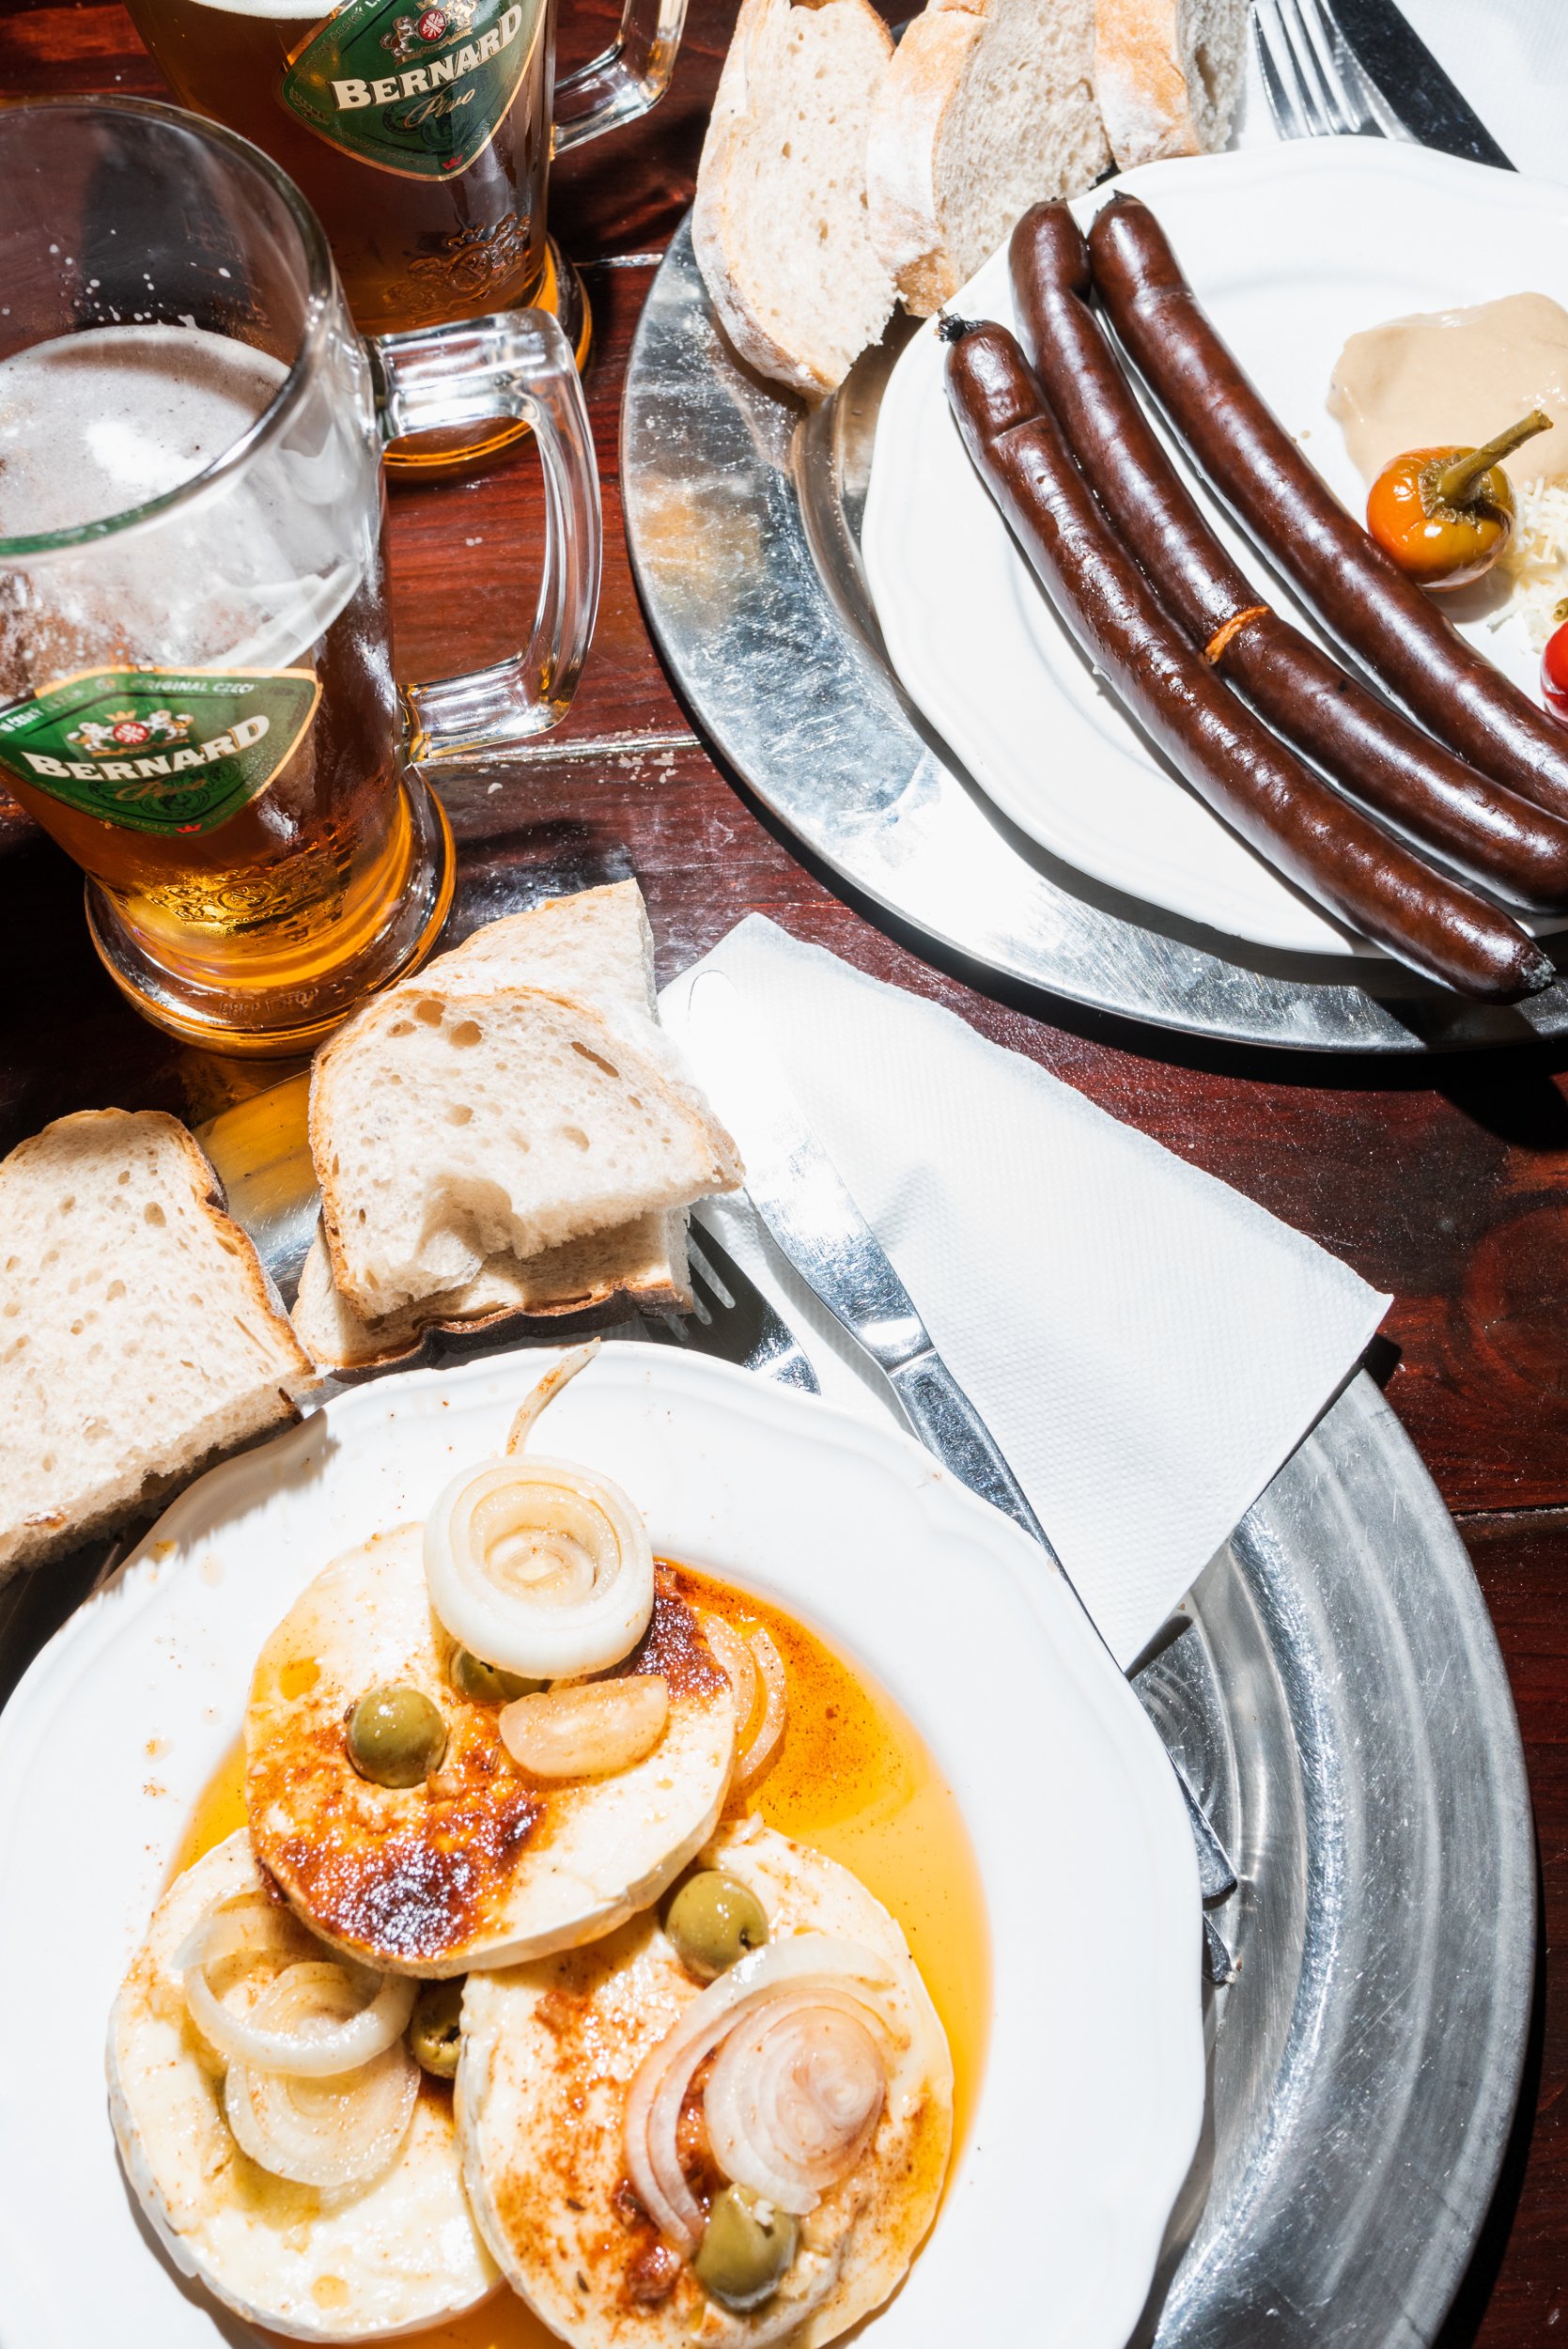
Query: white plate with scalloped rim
pixel 1093 2092
pixel 1292 248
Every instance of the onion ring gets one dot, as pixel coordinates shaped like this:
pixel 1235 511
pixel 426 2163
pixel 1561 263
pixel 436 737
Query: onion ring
pixel 794 2096
pixel 753 1667
pixel 843 1974
pixel 540 1566
pixel 329 2133
pixel 337 2029
pixel 764 1744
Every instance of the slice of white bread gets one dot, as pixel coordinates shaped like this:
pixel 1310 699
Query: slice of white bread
pixel 138 1333
pixel 452 1125
pixel 595 945
pixel 1167 74
pixel 641 1267
pixel 988 107
pixel 779 227
pixel 482 1109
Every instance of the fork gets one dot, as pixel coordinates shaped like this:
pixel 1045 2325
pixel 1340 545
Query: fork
pixel 1315 90
pixel 731 1317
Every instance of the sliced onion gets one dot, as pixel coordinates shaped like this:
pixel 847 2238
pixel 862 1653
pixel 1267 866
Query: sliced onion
pixel 337 2132
pixel 737 1664
pixel 323 2023
pixel 795 2095
pixel 841 1973
pixel 770 1674
pixel 540 1567
pixel 576 1358
pixel 755 1669
pixel 248 1925
pixel 591 1731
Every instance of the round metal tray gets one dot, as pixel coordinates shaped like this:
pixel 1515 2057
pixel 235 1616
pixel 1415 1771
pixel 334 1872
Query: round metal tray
pixel 742 513
pixel 1341 1704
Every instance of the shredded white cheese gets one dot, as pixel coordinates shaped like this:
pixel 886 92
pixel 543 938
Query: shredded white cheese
pixel 1536 561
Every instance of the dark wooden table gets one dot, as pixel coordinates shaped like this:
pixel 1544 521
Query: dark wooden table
pixel 1446 1183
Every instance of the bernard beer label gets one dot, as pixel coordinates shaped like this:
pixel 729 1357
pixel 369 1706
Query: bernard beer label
pixel 166 750
pixel 417 90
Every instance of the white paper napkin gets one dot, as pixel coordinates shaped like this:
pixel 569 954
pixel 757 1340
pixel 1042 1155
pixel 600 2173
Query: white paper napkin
pixel 1146 1346
pixel 1510 59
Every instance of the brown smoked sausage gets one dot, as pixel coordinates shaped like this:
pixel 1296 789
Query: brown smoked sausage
pixel 1331 850
pixel 1369 749
pixel 1361 597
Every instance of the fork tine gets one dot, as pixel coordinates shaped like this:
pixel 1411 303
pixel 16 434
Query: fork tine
pixel 1341 111
pixel 1281 79
pixel 1346 84
pixel 1309 66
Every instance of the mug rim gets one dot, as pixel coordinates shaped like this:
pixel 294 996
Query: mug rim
pixel 320 287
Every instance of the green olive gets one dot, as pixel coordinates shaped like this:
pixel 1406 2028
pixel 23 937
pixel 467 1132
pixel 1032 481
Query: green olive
pixel 434 2033
pixel 713 1921
pixel 746 2245
pixel 486 1684
pixel 396 1737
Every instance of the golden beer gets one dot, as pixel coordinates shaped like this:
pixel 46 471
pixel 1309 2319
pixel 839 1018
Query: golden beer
pixel 197 698
pixel 241 809
pixel 429 175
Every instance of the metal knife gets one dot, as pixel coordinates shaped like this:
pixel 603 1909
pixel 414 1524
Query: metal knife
pixel 801 1197
pixel 1410 82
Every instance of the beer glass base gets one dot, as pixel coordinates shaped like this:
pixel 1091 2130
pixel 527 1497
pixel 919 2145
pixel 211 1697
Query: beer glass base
pixel 564 295
pixel 283 1023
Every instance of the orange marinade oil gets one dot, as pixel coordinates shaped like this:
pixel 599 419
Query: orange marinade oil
pixel 852 1779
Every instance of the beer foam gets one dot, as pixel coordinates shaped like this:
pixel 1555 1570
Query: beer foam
pixel 95 423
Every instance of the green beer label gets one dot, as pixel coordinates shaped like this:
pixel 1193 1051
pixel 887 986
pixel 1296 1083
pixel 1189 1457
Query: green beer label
pixel 421 91
pixel 166 750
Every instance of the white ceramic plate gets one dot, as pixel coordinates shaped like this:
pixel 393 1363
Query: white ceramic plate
pixel 1292 248
pixel 1093 2094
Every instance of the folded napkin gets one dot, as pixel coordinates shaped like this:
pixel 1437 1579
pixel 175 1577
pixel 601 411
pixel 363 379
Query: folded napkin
pixel 1509 58
pixel 1146 1346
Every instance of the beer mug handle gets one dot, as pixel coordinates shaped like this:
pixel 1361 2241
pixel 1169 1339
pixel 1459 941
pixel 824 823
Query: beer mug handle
pixel 515 364
pixel 624 80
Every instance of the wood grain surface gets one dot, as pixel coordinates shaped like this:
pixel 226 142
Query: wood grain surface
pixel 1447 1184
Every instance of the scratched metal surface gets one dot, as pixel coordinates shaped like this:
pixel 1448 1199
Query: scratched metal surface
pixel 741 515
pixel 1341 1707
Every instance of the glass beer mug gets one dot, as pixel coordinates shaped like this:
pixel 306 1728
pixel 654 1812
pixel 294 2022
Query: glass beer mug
pixel 421 130
pixel 197 691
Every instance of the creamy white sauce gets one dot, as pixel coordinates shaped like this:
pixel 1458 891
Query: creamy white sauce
pixel 1457 377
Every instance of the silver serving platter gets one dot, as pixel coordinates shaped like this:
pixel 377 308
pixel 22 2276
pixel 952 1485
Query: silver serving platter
pixel 742 514
pixel 1335 1692
pixel 1342 1707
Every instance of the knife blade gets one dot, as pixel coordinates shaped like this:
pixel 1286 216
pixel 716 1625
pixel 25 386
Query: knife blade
pixel 801 1197
pixel 1411 81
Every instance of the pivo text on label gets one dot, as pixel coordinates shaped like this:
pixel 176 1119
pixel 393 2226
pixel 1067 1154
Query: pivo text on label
pixel 166 751
pixel 418 91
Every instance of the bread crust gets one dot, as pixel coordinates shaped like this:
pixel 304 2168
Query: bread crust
pixel 341 1342
pixel 741 89
pixel 906 123
pixel 1139 82
pixel 915 119
pixel 292 1373
pixel 1144 60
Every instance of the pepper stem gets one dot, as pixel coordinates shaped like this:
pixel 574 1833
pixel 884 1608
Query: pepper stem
pixel 1458 483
